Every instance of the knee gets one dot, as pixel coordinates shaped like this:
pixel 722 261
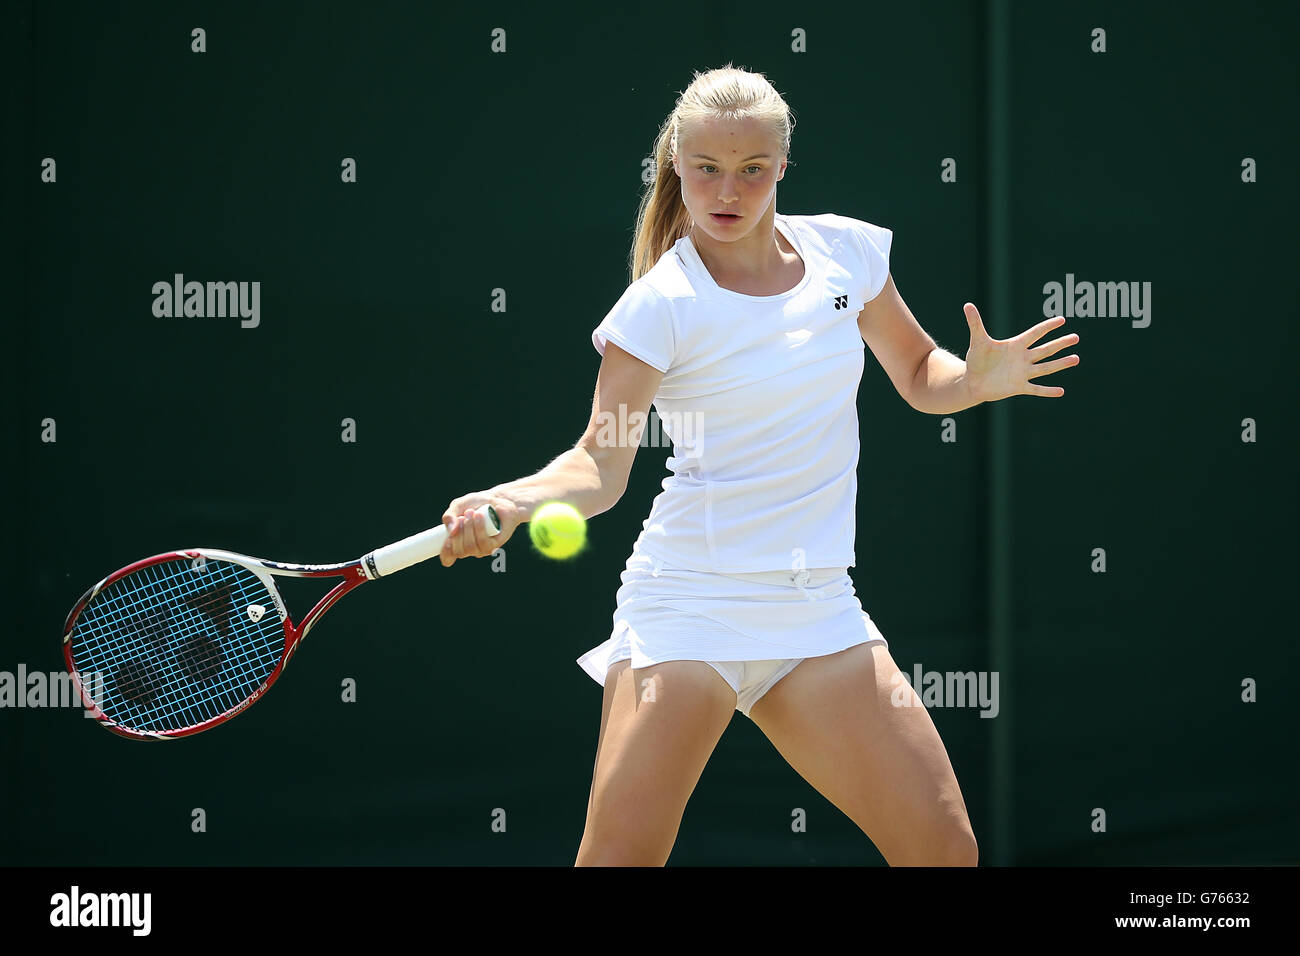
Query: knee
pixel 616 855
pixel 625 846
pixel 950 845
pixel 959 849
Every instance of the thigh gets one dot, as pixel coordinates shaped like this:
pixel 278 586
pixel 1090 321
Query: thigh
pixel 658 727
pixel 851 725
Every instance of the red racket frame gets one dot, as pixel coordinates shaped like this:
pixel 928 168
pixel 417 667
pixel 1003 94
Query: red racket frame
pixel 352 572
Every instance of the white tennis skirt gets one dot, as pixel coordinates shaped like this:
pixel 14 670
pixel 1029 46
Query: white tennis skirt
pixel 671 614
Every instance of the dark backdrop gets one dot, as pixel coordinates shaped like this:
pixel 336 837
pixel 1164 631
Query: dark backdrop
pixel 520 171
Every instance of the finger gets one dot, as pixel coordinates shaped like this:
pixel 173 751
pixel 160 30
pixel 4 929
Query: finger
pixel 484 543
pixel 472 536
pixel 448 553
pixel 1033 334
pixel 1045 391
pixel 444 555
pixel 1047 368
pixel 461 541
pixel 973 319
pixel 1054 346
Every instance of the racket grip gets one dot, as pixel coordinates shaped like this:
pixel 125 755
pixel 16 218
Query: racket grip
pixel 418 547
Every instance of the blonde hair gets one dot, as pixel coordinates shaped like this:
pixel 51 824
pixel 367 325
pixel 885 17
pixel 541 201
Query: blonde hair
pixel 730 92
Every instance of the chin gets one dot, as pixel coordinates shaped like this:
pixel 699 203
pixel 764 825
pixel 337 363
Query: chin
pixel 721 234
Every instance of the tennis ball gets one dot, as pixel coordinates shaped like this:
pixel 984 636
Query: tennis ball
pixel 558 530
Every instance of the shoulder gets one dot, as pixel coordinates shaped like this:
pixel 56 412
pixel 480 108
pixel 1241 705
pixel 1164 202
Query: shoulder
pixel 668 280
pixel 833 228
pixel 859 247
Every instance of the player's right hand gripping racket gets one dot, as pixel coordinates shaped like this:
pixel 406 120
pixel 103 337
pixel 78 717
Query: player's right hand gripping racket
pixel 183 641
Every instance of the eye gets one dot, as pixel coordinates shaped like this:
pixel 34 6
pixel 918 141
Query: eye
pixel 751 166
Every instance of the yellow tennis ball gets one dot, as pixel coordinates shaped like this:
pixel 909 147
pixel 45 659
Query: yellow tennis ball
pixel 558 530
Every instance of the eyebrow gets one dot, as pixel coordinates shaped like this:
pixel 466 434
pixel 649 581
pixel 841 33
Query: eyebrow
pixel 747 159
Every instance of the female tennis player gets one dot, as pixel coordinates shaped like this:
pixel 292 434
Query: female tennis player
pixel 739 327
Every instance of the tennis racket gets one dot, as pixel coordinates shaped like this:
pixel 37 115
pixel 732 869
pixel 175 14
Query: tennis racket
pixel 183 641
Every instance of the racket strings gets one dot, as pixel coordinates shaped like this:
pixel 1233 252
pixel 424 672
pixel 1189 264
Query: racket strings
pixel 177 643
pixel 164 661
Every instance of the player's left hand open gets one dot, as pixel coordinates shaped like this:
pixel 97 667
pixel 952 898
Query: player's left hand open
pixel 1000 368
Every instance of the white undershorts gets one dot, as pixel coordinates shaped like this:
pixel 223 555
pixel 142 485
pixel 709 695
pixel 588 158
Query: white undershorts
pixel 753 629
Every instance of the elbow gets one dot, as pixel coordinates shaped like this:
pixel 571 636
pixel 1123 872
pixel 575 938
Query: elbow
pixel 909 395
pixel 612 475
pixel 604 500
pixel 918 381
pixel 917 401
pixel 613 487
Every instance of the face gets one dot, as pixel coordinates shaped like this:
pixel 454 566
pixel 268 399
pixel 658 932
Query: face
pixel 728 166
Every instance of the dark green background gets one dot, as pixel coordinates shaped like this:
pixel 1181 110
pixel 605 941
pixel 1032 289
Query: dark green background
pixel 521 171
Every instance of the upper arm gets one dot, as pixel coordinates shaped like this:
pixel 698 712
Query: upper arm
pixel 895 337
pixel 624 385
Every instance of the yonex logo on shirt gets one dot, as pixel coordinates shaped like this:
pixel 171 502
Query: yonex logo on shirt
pixel 841 302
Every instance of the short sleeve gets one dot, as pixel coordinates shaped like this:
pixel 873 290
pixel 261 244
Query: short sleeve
pixel 873 243
pixel 641 324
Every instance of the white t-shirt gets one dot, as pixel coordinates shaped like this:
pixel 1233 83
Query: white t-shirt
pixel 759 397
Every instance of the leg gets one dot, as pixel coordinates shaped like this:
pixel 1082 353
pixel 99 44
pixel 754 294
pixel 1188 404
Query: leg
pixel 649 757
pixel 884 766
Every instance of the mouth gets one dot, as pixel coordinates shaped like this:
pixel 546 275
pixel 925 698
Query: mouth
pixel 723 218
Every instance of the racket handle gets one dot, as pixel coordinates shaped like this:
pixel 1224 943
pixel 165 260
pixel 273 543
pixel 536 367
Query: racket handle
pixel 418 547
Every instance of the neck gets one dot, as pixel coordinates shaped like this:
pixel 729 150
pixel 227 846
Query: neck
pixel 755 254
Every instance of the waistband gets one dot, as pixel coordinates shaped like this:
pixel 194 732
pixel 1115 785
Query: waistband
pixel 801 578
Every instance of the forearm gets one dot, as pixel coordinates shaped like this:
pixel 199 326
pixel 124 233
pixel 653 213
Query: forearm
pixel 940 385
pixel 574 477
